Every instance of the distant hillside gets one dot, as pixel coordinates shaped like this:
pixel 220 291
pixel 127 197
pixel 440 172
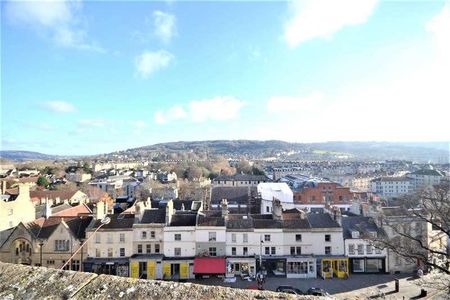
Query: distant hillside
pixel 25 155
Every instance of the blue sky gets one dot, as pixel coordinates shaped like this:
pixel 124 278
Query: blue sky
pixel 82 77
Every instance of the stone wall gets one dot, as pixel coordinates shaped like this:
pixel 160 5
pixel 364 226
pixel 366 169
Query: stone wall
pixel 24 282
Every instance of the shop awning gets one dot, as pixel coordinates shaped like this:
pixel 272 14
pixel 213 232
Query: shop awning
pixel 209 265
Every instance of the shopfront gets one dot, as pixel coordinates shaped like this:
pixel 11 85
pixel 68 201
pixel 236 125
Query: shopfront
pixel 273 266
pixel 330 267
pixel 209 266
pixel 177 269
pixel 301 267
pixel 368 265
pixel 115 266
pixel 144 266
pixel 242 266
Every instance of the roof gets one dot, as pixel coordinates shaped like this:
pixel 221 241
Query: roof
pixel 234 195
pixel 393 179
pixel 395 211
pixel 154 216
pixel 210 218
pixel 322 220
pixel 118 221
pixel 209 265
pixel 237 221
pixel 187 219
pixel 242 177
pixel 428 172
pixel 360 224
pixel 50 194
pixel 76 225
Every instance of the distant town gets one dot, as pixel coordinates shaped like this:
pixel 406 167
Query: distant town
pixel 218 217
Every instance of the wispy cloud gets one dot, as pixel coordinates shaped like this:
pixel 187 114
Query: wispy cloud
pixel 219 108
pixel 312 19
pixel 57 19
pixel 59 106
pixel 165 25
pixel 150 62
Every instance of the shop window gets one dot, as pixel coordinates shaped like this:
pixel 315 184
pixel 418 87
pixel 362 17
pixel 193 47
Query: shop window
pixel 358 265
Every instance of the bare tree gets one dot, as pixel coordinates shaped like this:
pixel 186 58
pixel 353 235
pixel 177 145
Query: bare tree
pixel 418 229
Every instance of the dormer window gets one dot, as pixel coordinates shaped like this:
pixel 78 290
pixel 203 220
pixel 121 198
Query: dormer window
pixel 355 234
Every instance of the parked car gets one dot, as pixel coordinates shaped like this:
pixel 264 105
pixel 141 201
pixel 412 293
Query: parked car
pixel 317 292
pixel 289 289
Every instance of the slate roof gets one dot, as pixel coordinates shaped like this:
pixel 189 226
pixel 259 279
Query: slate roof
pixel 185 219
pixel 154 216
pixel 239 222
pixel 322 220
pixel 428 172
pixel 360 224
pixel 234 195
pixel 63 195
pixel 76 225
pixel 395 211
pixel 118 221
pixel 210 218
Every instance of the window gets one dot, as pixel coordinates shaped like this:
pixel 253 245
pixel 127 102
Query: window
pixel 369 249
pixel 212 236
pixel 377 250
pixel 144 235
pixel 139 248
pixel 267 209
pixel 360 249
pixel 327 250
pixel 233 237
pixel 292 250
pixel 351 249
pixel 50 262
pixel 122 237
pixel 273 250
pixel 97 238
pixel 233 250
pixel 122 251
pixel 148 248
pixel 152 234
pixel 267 237
pixel 110 252
pixel 212 251
pixel 156 248
pixel 109 238
pixel 75 265
pixel 245 238
pixel 245 251
pixel 177 237
pixel 295 250
pixel 177 251
pixel 398 260
pixel 267 250
pixel 298 237
pixel 61 245
pixel 97 252
pixel 67 267
pixel 327 237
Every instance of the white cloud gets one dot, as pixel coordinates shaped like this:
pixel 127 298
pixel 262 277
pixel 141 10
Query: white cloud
pixel 321 18
pixel 59 106
pixel 289 104
pixel 219 108
pixel 150 62
pixel 58 19
pixel 165 25
pixel 439 27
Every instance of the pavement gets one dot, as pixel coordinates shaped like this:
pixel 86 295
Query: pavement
pixel 361 286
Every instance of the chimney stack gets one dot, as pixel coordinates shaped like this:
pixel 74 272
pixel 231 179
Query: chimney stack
pixel 224 206
pixel 277 209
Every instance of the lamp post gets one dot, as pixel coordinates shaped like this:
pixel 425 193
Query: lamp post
pixel 103 221
pixel 41 243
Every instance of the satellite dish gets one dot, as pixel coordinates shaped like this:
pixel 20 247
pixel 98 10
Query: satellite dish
pixel 105 220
